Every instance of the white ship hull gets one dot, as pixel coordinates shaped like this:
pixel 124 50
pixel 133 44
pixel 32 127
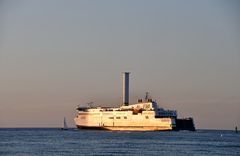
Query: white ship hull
pixel 122 120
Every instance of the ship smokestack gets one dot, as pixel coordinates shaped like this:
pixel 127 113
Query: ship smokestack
pixel 126 88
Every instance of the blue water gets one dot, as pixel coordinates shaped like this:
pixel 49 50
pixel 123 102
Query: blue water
pixel 54 142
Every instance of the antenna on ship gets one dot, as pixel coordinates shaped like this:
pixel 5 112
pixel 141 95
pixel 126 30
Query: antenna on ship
pixel 147 99
pixel 126 88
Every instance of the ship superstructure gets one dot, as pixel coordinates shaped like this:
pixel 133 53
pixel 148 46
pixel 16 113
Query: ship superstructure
pixel 142 116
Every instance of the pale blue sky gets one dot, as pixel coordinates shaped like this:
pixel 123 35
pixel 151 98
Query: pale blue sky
pixel 57 54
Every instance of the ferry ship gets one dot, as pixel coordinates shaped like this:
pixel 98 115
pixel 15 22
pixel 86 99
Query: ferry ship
pixel 145 115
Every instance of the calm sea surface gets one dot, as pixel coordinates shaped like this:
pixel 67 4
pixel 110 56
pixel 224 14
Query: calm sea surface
pixel 51 142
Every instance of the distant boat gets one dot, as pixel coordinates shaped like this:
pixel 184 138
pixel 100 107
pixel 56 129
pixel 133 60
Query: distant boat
pixel 65 127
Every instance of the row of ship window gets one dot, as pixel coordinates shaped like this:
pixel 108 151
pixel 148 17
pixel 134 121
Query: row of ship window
pixel 124 117
pixel 118 117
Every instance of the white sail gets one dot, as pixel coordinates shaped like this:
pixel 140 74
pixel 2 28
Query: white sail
pixel 64 124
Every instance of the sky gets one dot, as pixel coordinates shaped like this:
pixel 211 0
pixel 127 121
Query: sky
pixel 57 54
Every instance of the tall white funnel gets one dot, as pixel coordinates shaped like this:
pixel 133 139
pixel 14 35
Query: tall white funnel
pixel 126 88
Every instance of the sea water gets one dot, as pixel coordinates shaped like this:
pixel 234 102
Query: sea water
pixel 56 142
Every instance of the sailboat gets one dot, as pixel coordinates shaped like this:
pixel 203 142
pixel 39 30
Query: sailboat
pixel 65 127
